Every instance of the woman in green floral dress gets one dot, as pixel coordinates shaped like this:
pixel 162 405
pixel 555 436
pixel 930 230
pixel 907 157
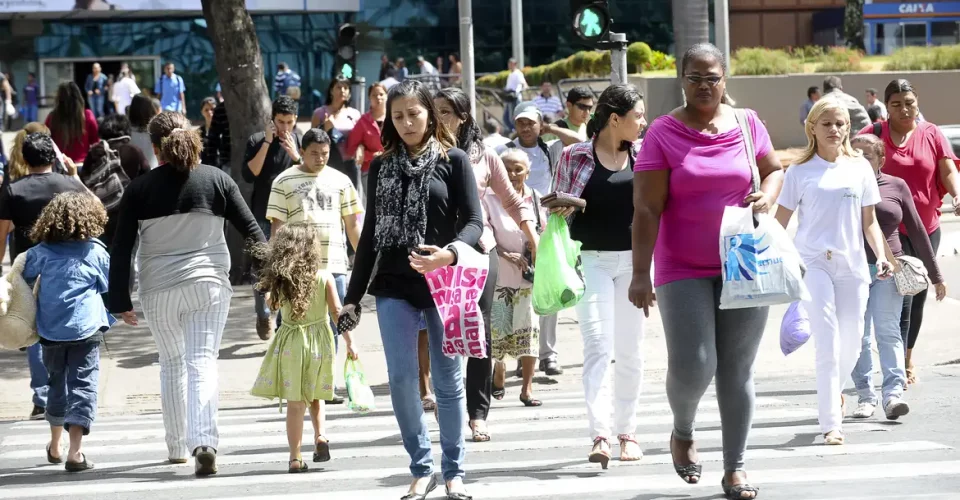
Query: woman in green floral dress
pixel 515 328
pixel 298 365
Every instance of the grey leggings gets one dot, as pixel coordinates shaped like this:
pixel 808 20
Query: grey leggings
pixel 703 340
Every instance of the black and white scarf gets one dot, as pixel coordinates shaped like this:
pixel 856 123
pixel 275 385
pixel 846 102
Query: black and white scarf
pixel 402 218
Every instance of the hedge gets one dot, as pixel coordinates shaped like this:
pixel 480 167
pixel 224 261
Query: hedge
pixel 762 61
pixel 924 59
pixel 585 64
pixel 841 60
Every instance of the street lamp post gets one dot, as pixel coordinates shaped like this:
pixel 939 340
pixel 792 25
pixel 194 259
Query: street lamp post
pixel 466 53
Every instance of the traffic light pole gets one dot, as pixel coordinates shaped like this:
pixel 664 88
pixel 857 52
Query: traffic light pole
pixel 468 77
pixel 618 58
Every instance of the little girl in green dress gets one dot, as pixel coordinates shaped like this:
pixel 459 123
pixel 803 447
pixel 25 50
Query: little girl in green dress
pixel 298 365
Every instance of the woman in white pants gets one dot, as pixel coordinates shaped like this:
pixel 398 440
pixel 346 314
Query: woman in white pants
pixel 834 191
pixel 178 210
pixel 599 171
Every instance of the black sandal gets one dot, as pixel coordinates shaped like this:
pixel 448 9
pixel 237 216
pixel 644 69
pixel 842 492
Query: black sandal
pixel 498 393
pixel 689 473
pixel 301 468
pixel 321 452
pixel 736 492
pixel 530 401
pixel 51 459
pixel 79 466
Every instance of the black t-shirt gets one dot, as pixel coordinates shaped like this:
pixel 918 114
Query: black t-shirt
pixel 606 223
pixel 24 199
pixel 277 161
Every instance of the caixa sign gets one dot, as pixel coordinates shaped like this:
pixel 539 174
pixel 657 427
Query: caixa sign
pixel 918 8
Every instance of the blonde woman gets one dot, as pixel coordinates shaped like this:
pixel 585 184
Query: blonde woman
pixel 834 191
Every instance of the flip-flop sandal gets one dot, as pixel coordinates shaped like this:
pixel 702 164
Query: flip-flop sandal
pixel 302 467
pixel 498 393
pixel 530 401
pixel 322 451
pixel 736 492
pixel 479 436
pixel 78 466
pixel 51 459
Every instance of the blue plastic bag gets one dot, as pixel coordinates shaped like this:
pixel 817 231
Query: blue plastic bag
pixel 794 329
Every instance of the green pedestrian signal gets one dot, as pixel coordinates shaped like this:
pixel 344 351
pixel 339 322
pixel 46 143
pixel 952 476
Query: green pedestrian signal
pixel 346 56
pixel 591 21
pixel 347 71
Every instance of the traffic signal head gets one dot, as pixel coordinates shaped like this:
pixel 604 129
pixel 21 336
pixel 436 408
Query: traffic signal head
pixel 591 20
pixel 346 59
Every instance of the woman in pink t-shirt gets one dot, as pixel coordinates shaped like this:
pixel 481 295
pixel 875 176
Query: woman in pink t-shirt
pixel 920 154
pixel 692 165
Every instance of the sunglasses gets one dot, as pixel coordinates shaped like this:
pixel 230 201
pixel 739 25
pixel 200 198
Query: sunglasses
pixel 583 107
pixel 712 80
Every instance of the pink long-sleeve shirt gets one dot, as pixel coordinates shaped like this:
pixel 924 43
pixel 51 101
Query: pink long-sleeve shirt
pixel 491 174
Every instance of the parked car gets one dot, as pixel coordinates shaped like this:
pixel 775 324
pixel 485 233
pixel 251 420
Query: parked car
pixel 953 135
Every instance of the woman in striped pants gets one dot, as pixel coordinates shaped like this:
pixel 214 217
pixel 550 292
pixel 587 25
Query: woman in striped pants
pixel 178 210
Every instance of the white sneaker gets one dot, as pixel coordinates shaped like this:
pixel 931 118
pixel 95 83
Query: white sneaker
pixel 864 410
pixel 896 408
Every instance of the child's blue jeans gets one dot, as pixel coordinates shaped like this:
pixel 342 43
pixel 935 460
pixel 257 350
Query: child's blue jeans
pixel 73 368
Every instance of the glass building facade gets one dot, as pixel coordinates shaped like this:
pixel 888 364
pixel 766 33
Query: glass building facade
pixel 65 49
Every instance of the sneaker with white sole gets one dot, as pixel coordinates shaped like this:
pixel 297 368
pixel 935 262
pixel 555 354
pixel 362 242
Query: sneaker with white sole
pixel 896 408
pixel 864 410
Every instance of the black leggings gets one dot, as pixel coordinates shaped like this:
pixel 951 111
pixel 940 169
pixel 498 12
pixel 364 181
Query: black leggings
pixel 480 371
pixel 912 315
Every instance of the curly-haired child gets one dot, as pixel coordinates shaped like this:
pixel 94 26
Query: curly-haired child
pixel 72 266
pixel 298 365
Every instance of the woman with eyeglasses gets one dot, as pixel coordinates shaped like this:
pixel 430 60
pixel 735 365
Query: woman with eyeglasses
pixel 919 153
pixel 692 165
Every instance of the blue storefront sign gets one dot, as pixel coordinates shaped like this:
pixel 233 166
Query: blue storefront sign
pixel 893 25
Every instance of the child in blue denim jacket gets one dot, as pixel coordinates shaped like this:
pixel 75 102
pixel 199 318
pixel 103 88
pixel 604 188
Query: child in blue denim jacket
pixel 72 266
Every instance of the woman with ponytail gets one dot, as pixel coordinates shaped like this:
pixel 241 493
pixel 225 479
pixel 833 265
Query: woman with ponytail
pixel 599 171
pixel 453 107
pixel 178 211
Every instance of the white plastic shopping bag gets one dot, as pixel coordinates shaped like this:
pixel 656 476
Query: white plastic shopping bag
pixel 761 266
pixel 456 292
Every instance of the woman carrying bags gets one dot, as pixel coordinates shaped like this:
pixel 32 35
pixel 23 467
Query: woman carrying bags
pixel 834 192
pixel 692 166
pixel 599 171
pixel 896 207
pixel 423 197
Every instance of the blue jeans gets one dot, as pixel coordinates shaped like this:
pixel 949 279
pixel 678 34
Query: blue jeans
pixel 96 105
pixel 38 375
pixel 509 106
pixel 74 368
pixel 399 328
pixel 259 301
pixel 883 310
pixel 30 113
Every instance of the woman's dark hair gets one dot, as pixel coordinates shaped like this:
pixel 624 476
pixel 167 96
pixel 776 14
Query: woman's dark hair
pixel 67 117
pixel 70 216
pixel 702 51
pixel 391 139
pixel 38 150
pixel 178 143
pixel 620 99
pixel 314 136
pixel 141 111
pixel 469 137
pixel 455 56
pixel 337 80
pixel 113 126
pixel 376 85
pixel 898 86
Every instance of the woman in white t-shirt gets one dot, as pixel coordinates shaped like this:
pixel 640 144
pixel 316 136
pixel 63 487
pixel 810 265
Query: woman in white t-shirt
pixel 834 191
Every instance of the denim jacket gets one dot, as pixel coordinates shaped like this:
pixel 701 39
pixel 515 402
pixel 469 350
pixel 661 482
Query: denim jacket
pixel 73 275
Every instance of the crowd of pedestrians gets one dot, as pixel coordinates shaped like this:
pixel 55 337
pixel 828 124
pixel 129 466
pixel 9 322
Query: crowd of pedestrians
pixel 369 203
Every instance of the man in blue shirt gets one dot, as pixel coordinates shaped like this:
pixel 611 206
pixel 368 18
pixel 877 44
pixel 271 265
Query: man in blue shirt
pixel 31 93
pixel 96 90
pixel 285 81
pixel 170 89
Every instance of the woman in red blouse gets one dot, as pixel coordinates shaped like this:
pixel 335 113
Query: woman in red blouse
pixel 73 127
pixel 919 154
pixel 367 131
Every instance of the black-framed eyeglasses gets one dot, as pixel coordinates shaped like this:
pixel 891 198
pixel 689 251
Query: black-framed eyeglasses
pixel 583 107
pixel 712 80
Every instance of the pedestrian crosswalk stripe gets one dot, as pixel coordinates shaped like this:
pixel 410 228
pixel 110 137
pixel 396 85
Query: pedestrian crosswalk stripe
pixel 496 490
pixel 278 428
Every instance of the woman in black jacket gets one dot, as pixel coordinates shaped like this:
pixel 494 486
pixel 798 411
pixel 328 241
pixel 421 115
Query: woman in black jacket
pixel 423 197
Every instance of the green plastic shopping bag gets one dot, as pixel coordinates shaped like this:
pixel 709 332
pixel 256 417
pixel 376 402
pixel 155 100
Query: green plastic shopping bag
pixel 558 283
pixel 359 395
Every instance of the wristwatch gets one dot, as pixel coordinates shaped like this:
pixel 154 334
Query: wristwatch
pixel 298 161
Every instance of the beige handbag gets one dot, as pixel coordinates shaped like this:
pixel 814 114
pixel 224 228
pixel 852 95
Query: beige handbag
pixel 912 277
pixel 18 309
